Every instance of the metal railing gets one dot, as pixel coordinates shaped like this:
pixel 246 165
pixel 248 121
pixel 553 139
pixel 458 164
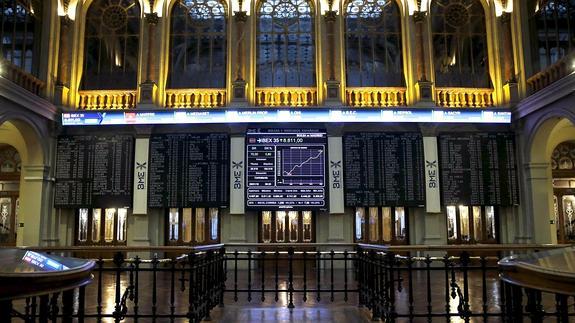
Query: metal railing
pixel 393 282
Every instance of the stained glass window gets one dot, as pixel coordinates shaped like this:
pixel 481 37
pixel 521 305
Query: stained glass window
pixel 111 45
pixel 285 44
pixel 373 43
pixel 198 44
pixel 552 24
pixel 459 43
pixel 20 33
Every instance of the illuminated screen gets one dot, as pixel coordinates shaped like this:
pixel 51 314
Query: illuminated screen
pixel 286 169
pixel 42 261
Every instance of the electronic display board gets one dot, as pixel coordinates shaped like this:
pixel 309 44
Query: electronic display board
pixel 383 169
pixel 94 171
pixel 286 169
pixel 189 170
pixel 478 169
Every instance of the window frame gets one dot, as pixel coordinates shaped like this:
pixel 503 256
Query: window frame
pixel 380 226
pixel 286 233
pixel 471 225
pixel 207 227
pixel 102 241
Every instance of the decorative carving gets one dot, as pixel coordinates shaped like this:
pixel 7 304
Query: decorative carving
pixel 419 16
pixel 152 18
pixel 505 17
pixel 114 17
pixel 240 16
pixel 456 15
pixel 330 16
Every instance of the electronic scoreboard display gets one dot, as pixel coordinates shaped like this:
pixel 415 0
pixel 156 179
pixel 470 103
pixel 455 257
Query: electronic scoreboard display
pixel 286 169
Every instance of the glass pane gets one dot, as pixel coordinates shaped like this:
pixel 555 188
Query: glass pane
pixel 266 226
pixel 307 236
pixel 5 217
pixel 83 225
pixel 359 223
pixel 451 223
pixel 200 225
pixel 109 225
pixel 556 213
pixel 569 216
pixel 293 226
pixel 400 225
pixel 464 222
pixel 490 223
pixel 187 225
pixel 198 44
pixel 373 224
pixel 96 224
pixel 386 223
pixel 214 223
pixel 280 226
pixel 173 219
pixel 477 229
pixel 121 228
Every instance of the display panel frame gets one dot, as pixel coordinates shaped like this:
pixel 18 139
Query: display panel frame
pixel 258 171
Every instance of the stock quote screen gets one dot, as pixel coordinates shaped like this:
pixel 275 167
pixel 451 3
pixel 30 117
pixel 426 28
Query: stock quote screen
pixel 286 169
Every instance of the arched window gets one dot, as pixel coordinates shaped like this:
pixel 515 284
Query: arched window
pixel 198 44
pixel 373 43
pixel 459 43
pixel 111 45
pixel 20 33
pixel 552 24
pixel 285 44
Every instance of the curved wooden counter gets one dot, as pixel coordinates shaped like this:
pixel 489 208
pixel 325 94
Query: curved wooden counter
pixel 550 271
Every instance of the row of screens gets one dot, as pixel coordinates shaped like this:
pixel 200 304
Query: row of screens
pixel 286 169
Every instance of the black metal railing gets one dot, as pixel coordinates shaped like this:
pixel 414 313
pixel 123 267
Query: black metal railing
pixel 188 286
pixel 394 283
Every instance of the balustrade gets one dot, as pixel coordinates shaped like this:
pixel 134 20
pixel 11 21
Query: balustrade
pixel 195 98
pixel 22 78
pixel 107 99
pixel 551 74
pixel 286 96
pixel 375 96
pixel 464 97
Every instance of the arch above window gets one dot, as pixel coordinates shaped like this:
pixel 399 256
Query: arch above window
pixel 111 45
pixel 373 43
pixel 198 44
pixel 285 44
pixel 459 37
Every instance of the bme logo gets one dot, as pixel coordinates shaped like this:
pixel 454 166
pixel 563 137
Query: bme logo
pixel 336 173
pixel 141 175
pixel 237 173
pixel 432 173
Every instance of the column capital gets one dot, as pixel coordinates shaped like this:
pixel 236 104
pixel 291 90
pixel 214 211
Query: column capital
pixel 152 18
pixel 419 16
pixel 330 15
pixel 240 16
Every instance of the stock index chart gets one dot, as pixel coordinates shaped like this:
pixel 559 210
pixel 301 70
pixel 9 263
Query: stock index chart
pixel 286 168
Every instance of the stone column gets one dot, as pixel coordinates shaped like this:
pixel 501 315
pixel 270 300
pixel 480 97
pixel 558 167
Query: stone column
pixel 510 89
pixel 423 86
pixel 332 85
pixel 62 81
pixel 148 88
pixel 538 204
pixel 239 84
pixel 35 205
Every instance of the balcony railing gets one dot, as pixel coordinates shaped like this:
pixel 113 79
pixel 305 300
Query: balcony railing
pixel 375 96
pixel 286 96
pixel 394 283
pixel 22 78
pixel 195 98
pixel 107 99
pixel 452 97
pixel 551 74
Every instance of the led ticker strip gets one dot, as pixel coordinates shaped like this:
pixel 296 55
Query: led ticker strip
pixel 195 116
